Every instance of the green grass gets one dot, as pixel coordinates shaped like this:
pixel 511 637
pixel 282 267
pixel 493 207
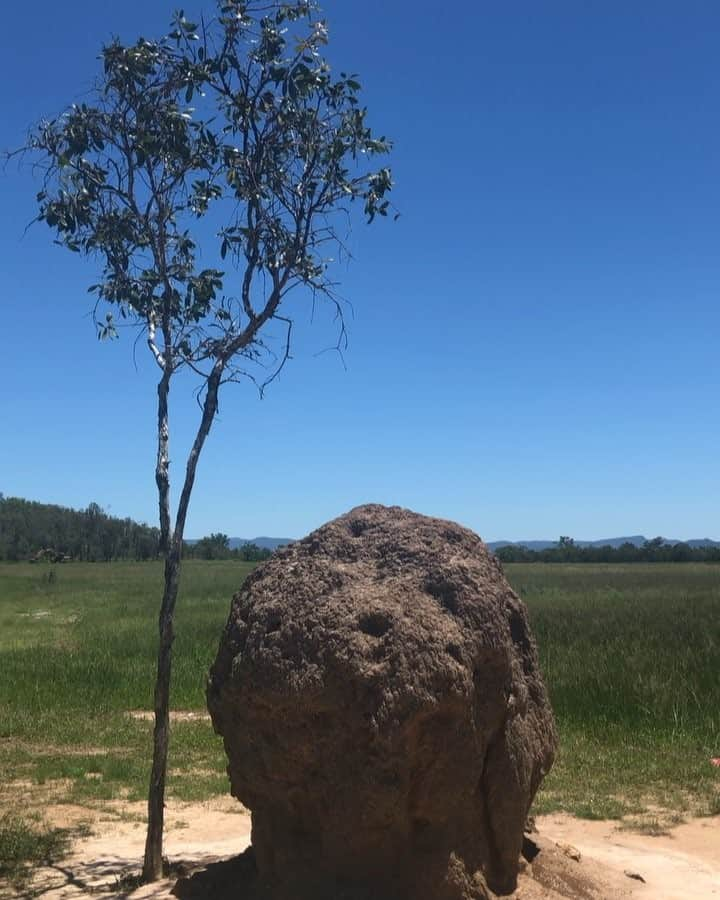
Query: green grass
pixel 78 653
pixel 631 655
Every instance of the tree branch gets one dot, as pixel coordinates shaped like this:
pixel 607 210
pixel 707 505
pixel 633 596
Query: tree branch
pixel 159 358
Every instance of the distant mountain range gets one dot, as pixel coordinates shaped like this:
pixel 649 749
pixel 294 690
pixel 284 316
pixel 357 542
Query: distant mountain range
pixel 637 540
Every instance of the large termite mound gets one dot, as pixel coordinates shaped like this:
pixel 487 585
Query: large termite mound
pixel 378 692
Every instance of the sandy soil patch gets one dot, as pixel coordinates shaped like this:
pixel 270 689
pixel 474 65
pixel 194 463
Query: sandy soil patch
pixel 683 864
pixel 176 715
pixel 107 862
pixel 578 859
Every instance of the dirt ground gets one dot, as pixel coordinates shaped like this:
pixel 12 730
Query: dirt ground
pixel 576 859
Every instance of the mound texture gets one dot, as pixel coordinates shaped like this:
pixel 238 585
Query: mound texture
pixel 378 693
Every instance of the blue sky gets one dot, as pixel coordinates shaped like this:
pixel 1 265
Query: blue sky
pixel 534 346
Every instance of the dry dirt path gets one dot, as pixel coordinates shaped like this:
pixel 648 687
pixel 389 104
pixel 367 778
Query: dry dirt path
pixel 682 865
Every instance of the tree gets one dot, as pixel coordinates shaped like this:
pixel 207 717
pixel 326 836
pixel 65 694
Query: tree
pixel 565 548
pixel 238 124
pixel 253 553
pixel 653 549
pixel 215 546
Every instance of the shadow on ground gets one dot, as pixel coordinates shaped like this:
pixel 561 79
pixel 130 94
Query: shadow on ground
pixel 119 877
pixel 219 880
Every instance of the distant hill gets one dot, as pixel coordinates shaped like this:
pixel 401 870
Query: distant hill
pixel 265 543
pixel 637 540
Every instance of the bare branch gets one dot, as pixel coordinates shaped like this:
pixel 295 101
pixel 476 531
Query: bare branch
pixel 285 356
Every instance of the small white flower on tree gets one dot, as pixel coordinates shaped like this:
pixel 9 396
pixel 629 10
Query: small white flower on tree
pixel 236 125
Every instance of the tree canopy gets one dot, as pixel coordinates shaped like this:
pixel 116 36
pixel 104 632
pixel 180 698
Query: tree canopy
pixel 238 122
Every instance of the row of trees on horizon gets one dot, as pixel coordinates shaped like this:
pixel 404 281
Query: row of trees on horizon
pixel 567 551
pixel 217 546
pixel 91 535
pixel 31 530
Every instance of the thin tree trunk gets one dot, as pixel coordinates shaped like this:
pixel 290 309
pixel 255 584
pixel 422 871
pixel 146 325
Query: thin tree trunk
pixel 152 864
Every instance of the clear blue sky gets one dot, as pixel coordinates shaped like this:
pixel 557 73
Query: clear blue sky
pixel 534 349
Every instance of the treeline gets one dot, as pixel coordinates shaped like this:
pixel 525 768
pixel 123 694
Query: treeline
pixel 28 528
pixel 45 532
pixel 217 546
pixel 566 550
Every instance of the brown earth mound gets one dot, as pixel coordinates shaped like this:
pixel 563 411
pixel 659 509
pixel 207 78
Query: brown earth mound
pixel 378 692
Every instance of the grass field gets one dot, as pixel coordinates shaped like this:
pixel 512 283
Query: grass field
pixel 631 655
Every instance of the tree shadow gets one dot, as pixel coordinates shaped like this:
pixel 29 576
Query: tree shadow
pixel 120 877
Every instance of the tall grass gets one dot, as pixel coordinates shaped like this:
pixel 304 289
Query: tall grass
pixel 631 655
pixel 77 653
pixel 84 644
